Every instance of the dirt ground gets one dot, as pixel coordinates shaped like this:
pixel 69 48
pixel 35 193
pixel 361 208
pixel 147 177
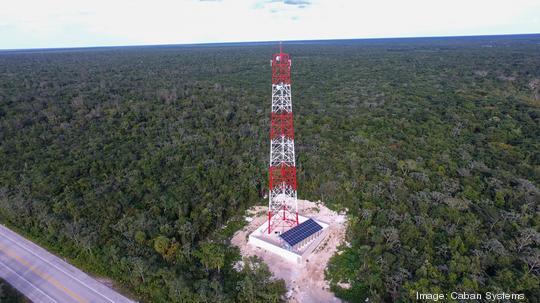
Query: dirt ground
pixel 305 281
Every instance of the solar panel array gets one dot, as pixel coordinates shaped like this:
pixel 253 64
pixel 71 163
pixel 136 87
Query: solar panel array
pixel 300 232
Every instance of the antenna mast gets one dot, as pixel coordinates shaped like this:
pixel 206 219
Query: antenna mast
pixel 282 205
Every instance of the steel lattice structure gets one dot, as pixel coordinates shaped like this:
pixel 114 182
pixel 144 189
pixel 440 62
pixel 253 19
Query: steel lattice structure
pixel 282 205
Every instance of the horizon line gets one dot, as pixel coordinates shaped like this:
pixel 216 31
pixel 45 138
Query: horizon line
pixel 264 42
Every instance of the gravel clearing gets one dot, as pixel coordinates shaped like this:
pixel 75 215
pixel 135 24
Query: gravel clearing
pixel 305 281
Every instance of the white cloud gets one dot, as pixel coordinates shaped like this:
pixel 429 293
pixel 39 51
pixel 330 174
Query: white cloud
pixel 64 23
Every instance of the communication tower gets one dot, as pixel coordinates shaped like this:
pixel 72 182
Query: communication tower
pixel 282 204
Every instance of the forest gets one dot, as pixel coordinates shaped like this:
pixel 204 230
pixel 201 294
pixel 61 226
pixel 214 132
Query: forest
pixel 9 294
pixel 138 163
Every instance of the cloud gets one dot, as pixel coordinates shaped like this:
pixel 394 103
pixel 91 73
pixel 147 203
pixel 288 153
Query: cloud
pixel 282 3
pixel 300 3
pixel 72 23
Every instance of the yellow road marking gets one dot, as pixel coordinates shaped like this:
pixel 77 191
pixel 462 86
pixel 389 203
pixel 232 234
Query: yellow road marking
pixel 41 274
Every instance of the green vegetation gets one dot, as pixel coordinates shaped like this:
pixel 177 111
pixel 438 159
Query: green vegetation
pixel 138 162
pixel 10 295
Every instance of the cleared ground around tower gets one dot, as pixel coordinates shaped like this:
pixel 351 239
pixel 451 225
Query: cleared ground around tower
pixel 305 281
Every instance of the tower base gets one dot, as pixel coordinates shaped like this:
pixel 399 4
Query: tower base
pixel 271 242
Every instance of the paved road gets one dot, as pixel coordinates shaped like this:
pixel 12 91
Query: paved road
pixel 43 277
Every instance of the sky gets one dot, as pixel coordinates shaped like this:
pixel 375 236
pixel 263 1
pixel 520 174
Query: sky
pixel 75 23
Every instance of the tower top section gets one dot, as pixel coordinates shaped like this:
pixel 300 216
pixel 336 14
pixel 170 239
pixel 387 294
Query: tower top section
pixel 281 67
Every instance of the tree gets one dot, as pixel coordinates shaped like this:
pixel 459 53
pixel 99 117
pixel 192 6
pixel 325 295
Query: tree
pixel 161 244
pixel 257 284
pixel 211 255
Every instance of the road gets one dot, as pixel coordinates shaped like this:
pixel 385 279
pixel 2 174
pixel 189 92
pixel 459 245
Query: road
pixel 43 277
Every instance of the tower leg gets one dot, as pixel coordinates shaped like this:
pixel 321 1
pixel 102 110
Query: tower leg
pixel 269 220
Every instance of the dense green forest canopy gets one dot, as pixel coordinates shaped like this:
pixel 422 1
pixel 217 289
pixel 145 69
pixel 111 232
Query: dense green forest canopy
pixel 138 162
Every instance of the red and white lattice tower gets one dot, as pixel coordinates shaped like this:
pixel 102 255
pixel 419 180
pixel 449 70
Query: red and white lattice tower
pixel 282 205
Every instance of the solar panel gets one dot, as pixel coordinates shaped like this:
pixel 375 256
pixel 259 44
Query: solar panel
pixel 300 232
